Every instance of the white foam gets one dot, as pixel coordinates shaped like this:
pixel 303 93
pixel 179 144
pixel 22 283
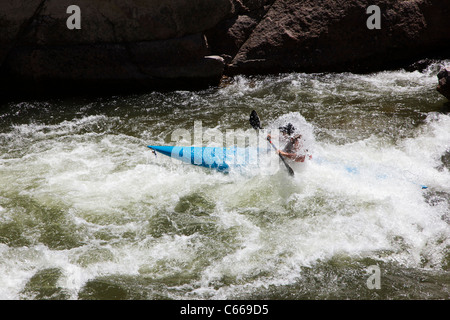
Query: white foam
pixel 355 198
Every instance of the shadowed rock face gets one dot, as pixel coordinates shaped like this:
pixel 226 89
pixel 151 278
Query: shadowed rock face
pixel 141 44
pixel 121 44
pixel 332 35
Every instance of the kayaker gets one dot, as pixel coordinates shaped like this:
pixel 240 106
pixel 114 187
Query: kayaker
pixel 294 146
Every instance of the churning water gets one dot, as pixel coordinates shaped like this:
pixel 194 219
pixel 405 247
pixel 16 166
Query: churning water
pixel 88 212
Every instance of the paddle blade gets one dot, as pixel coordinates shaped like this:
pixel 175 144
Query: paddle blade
pixel 289 169
pixel 254 120
pixel 256 124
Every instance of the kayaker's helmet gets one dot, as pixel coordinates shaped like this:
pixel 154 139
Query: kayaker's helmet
pixel 287 129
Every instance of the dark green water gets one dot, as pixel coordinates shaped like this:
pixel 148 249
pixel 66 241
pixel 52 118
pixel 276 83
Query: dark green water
pixel 88 212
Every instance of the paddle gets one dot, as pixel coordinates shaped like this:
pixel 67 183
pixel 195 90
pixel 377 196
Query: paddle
pixel 256 124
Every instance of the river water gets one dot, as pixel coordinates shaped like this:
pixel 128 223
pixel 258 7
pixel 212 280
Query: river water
pixel 88 212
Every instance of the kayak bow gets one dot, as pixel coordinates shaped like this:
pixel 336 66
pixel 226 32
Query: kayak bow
pixel 218 158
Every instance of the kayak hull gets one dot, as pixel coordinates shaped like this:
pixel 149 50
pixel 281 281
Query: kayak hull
pixel 220 159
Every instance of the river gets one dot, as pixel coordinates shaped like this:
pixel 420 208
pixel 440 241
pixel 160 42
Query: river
pixel 88 212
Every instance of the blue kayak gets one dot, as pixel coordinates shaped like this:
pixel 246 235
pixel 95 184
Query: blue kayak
pixel 222 159
pixel 218 158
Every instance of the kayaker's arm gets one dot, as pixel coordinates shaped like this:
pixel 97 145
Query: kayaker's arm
pixel 293 156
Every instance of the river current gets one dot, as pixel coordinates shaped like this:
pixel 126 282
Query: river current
pixel 88 212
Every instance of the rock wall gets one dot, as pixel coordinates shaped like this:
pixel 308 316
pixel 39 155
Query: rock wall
pixel 121 45
pixel 332 35
pixel 176 43
pixel 444 82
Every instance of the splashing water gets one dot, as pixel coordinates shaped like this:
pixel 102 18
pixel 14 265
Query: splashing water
pixel 88 212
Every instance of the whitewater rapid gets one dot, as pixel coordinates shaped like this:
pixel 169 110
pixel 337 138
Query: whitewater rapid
pixel 83 202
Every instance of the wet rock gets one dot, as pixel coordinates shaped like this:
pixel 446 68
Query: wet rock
pixel 331 35
pixel 227 37
pixel 444 82
pixel 420 65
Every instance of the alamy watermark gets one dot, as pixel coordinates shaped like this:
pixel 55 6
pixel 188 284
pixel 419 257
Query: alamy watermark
pixel 74 20
pixel 374 280
pixel 374 21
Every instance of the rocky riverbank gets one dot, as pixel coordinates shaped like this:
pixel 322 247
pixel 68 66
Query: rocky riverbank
pixel 136 45
pixel 444 82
